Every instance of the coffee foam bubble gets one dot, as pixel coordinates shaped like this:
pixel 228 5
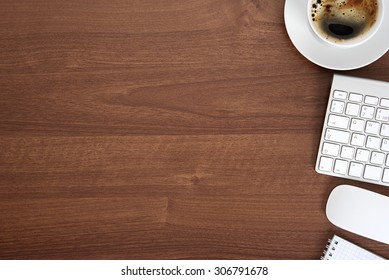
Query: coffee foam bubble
pixel 344 20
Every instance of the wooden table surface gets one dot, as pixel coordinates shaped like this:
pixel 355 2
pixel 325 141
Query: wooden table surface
pixel 169 129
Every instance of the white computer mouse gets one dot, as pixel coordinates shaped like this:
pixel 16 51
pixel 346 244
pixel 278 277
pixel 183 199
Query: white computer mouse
pixel 360 211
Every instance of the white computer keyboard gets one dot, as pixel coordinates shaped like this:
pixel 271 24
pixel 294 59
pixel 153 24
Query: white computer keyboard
pixel 355 139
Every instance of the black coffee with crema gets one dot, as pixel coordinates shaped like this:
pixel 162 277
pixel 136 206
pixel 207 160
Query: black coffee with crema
pixel 344 20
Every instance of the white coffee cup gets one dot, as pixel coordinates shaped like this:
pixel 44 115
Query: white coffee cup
pixel 340 20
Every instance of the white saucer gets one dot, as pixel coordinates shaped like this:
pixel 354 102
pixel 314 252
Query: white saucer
pixel 325 55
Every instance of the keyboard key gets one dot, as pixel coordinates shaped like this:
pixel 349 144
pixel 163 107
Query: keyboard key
pixel 355 169
pixel 340 166
pixel 347 152
pixel 372 100
pixel 387 160
pixel 382 115
pixel 358 139
pixel 384 102
pixel 337 136
pixel 385 177
pixel 330 149
pixel 355 97
pixel 367 112
pixel 385 145
pixel 372 173
pixel 340 94
pixel 358 125
pixel 325 164
pixel 352 109
pixel 373 142
pixel 337 107
pixel 377 158
pixel 384 130
pixel 338 121
pixel 372 127
pixel 362 155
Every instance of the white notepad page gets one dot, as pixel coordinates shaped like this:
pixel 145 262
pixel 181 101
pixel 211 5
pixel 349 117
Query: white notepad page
pixel 341 249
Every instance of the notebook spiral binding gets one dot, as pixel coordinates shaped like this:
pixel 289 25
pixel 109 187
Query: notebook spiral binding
pixel 332 249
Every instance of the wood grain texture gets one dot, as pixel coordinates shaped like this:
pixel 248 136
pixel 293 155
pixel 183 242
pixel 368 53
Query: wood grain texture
pixel 161 130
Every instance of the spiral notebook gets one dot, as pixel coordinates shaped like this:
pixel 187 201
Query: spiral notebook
pixel 340 249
